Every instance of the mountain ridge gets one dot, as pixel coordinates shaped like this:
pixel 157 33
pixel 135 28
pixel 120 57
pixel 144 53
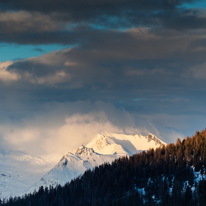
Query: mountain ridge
pixel 103 148
pixel 172 175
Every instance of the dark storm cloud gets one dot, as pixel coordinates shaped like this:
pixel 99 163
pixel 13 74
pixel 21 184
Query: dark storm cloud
pixel 129 60
pixel 68 22
pixel 102 6
pixel 21 21
pixel 184 19
pixel 42 38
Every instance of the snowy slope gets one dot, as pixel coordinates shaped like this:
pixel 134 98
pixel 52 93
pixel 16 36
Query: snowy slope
pixel 103 148
pixel 18 170
pixel 72 165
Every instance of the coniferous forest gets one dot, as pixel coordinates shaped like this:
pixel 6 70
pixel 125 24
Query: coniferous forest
pixel 165 176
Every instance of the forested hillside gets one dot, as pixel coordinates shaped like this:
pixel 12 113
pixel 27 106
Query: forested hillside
pixel 170 175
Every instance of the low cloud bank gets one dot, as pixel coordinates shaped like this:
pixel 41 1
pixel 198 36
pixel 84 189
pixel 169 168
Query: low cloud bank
pixel 55 133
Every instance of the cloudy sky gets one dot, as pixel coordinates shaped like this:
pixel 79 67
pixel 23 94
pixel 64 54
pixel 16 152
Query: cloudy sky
pixel 72 69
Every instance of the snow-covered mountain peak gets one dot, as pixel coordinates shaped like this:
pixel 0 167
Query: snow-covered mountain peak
pixel 103 148
pixel 152 137
pixel 122 144
pixel 100 140
pixel 103 144
pixel 71 166
pixel 82 150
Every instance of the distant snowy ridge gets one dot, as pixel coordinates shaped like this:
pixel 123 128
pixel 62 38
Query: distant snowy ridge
pixel 18 170
pixel 103 148
pixel 122 144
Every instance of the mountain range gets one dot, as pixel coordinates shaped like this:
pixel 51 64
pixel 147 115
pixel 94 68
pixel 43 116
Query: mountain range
pixel 172 175
pixel 103 148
